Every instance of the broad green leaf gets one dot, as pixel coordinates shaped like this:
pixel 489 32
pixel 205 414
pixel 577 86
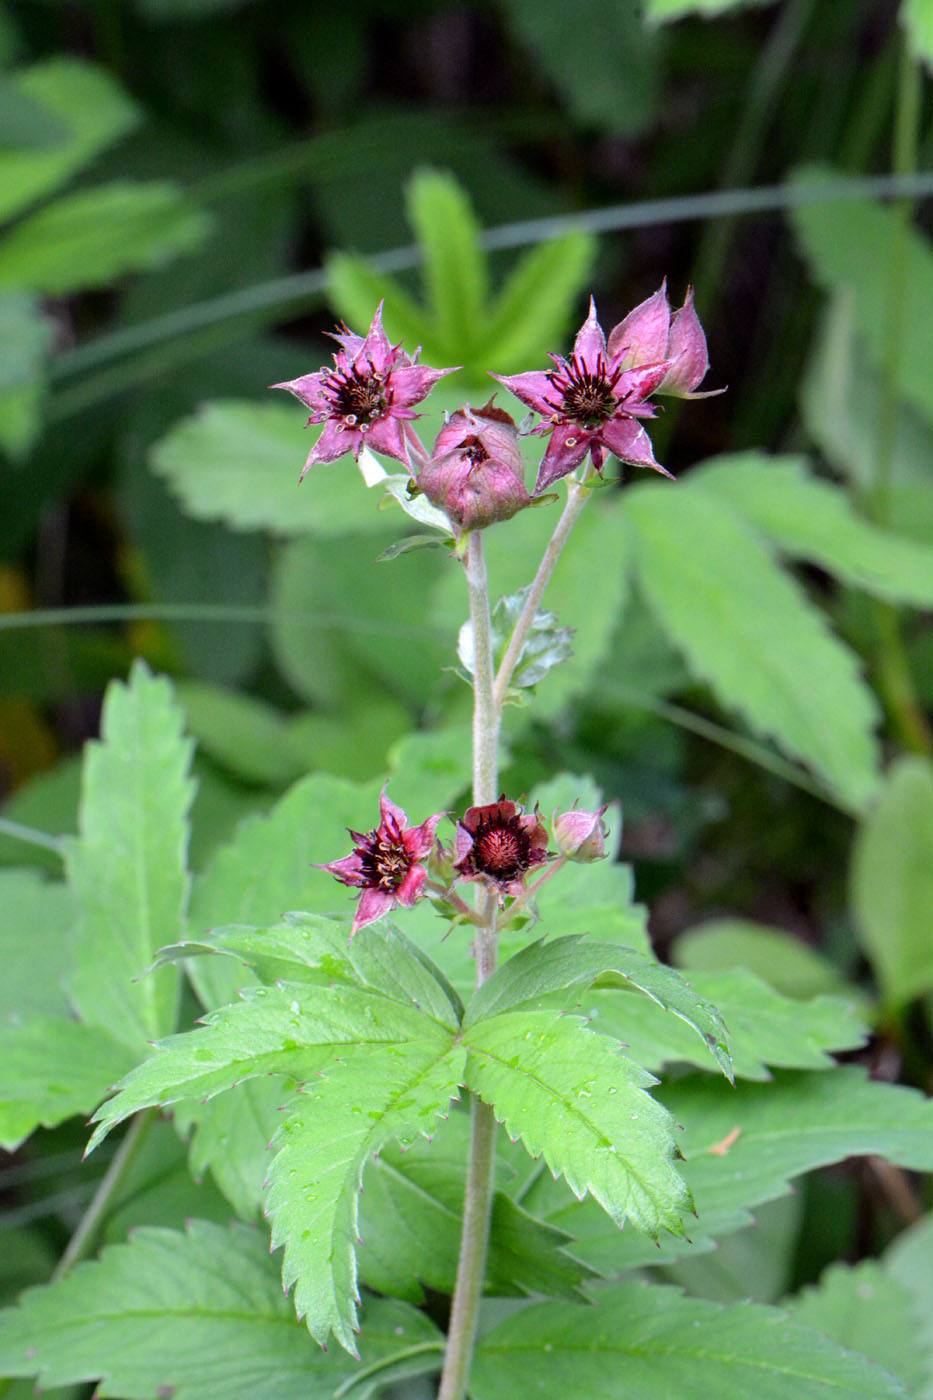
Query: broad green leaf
pixel 51 1068
pixel 785 962
pixel 291 1029
pixel 846 243
pixel 343 619
pixel 663 11
pixel 455 274
pixel 95 111
pixel 865 1309
pixel 570 964
pixel 753 1265
pixel 239 462
pixel 351 1111
pixel 605 69
pixel 814 520
pixel 231 1135
pixel 310 949
pixel 25 337
pixel 917 17
pixel 128 866
pixel 89 238
pixel 411 1223
pixel 658 1343
pixel 764 1028
pixel 351 742
pixel 199 1314
pixel 532 313
pixel 26 124
pixel 746 627
pixel 909 1261
pixel 743 1146
pixel 249 736
pixel 36 916
pixel 572 1097
pixel 892 882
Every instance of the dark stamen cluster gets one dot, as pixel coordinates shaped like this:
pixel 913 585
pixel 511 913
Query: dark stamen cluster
pixel 383 864
pixel 500 843
pixel 474 451
pixel 501 850
pixel 358 395
pixel 586 396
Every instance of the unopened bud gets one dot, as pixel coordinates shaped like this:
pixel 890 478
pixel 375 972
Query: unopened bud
pixel 476 474
pixel 580 836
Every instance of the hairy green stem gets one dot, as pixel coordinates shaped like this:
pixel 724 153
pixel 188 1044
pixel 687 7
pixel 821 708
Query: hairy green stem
pixel 30 835
pixel 83 1240
pixel 485 711
pixel 578 493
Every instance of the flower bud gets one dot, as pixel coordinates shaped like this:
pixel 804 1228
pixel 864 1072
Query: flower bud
pixel 580 836
pixel 650 334
pixel 476 475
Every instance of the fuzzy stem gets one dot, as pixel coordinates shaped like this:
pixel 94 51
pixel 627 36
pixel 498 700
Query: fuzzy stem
pixel 518 904
pixel 578 494
pixel 485 711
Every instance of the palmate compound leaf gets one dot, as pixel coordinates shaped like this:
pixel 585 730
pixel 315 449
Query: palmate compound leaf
pixel 128 866
pixel 292 1029
pixel 196 1315
pixel 744 1146
pixel 541 969
pixel 338 1122
pixel 571 1096
pixel 747 628
pixel 652 1342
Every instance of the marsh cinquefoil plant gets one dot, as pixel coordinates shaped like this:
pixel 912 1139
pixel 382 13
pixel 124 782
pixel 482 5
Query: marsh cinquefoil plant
pixel 357 1041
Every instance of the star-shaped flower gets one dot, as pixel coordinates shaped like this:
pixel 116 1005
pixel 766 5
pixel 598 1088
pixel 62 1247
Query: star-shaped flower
pixel 387 864
pixel 366 399
pixel 499 844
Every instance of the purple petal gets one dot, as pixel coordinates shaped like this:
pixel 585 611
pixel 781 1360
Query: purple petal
pixel 348 870
pixel 373 904
pixel 630 443
pixel 641 337
pixel 412 383
pixel 419 840
pixel 307 388
pixel 387 435
pixel 335 441
pixel 532 388
pixel 688 349
pixel 568 446
pixel 640 383
pixel 590 344
pixel 388 809
pixel 376 347
pixel 409 891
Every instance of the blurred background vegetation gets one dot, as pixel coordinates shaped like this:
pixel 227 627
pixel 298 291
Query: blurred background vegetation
pixel 192 191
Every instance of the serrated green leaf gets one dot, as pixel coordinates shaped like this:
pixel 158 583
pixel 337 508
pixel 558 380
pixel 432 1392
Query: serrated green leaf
pixel 50 1069
pixel 660 1343
pixel 917 18
pixel 866 1310
pixel 246 735
pixel 605 69
pixel 546 645
pixel 26 124
pixel 231 1137
pixel 96 112
pixel 572 1097
pixel 532 312
pixel 239 462
pixel 764 1027
pixel 89 238
pixel 455 273
pixel 846 243
pixel 786 963
pixel 410 1222
pixel 724 601
pixel 909 1261
pixel 36 916
pixel 814 520
pixel 290 1029
pixel 351 1112
pixel 128 866
pixel 199 1313
pixel 892 882
pixel 569 964
pixel 743 1146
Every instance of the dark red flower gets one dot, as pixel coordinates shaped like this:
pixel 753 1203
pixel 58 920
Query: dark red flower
pixel 387 864
pixel 366 399
pixel 499 844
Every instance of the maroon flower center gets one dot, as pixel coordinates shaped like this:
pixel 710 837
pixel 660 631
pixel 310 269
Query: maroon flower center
pixel 359 395
pixel 383 864
pixel 501 851
pixel 474 451
pixel 586 396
